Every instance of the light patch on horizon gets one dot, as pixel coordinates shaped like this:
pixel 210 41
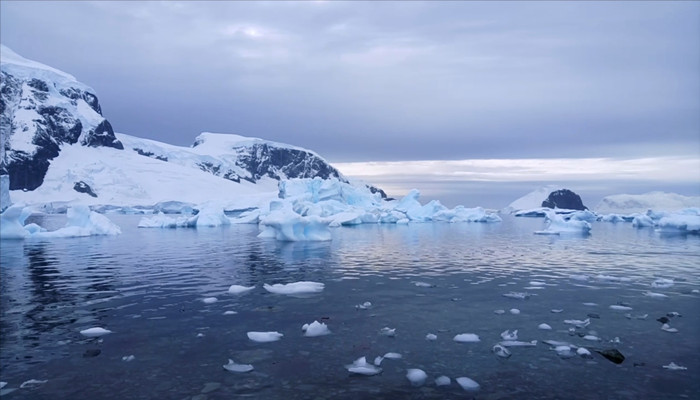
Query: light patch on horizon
pixel 672 169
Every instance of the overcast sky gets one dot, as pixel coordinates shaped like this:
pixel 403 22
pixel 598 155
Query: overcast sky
pixel 390 81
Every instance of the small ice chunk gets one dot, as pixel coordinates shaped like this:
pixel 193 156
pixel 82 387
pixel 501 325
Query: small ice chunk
pixel 508 335
pixel 674 367
pixel 578 323
pixel 95 332
pixel 416 376
pixel 431 336
pixel 386 331
pixel 667 328
pixel 200 334
pixel 564 351
pixel 662 283
pixel 423 284
pixel 443 380
pixel 466 338
pixel 583 352
pixel 673 314
pixel 655 295
pixel 364 306
pixel 590 304
pixel 501 351
pixel 295 287
pixel 517 295
pixel 556 310
pixel 361 367
pixel 129 358
pixel 3 384
pixel 32 383
pixel 233 367
pixel 315 329
pixel 393 356
pixel 230 312
pixel 499 312
pixel 518 343
pixel 468 384
pixel 592 338
pixel 514 311
pixel 537 283
pixel 263 337
pixel 544 326
pixel 620 307
pixel 210 300
pixel 238 289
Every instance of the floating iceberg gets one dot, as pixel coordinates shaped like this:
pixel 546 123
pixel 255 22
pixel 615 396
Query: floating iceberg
pixel 674 367
pixel 95 332
pixel 282 223
pixel 416 376
pixel 264 337
pixel 443 380
pixel 207 216
pixel 295 288
pixel 238 289
pixel 679 223
pixel 640 203
pixel 556 225
pixel 361 367
pixel 466 338
pixel 315 329
pixel 233 367
pixel 80 222
pixel 467 384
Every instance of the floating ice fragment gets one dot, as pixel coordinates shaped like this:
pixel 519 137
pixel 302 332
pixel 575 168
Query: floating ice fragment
pixel 655 295
pixel 501 351
pixel 295 287
pixel 673 314
pixel 620 307
pixel 518 343
pixel 443 380
pixel 468 384
pixel 416 376
pixel 667 328
pixel 315 329
pixel 3 384
pixel 364 306
pixel 238 289
pixel 556 310
pixel 430 336
pixel 361 367
pixel 639 316
pixel 499 312
pixel 129 358
pixel 423 284
pixel 508 335
pixel 696 291
pixel 210 300
pixel 592 338
pixel 95 332
pixel 590 304
pixel 466 338
pixel 544 326
pixel 537 283
pixel 517 295
pixel 514 311
pixel 578 323
pixel 674 367
pixel 386 331
pixel 393 356
pixel 233 367
pixel 564 351
pixel 230 312
pixel 583 352
pixel 263 337
pixel 200 334
pixel 662 283
pixel 32 383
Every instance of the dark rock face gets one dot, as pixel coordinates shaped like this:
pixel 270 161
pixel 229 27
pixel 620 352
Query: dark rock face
pixel 266 160
pixel 82 187
pixel 564 198
pixel 53 126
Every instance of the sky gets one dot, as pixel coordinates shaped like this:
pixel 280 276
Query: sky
pixel 459 99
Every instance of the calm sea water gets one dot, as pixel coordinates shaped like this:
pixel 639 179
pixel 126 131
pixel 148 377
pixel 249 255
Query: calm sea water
pixel 147 286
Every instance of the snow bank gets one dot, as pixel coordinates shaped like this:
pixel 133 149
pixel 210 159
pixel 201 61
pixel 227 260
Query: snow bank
pixel 80 222
pixel 556 224
pixel 640 203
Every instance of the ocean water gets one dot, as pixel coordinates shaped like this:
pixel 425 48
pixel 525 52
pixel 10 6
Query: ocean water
pixel 148 286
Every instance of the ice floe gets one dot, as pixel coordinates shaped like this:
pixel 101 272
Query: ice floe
pixel 386 331
pixel 416 376
pixel 295 287
pixel 544 326
pixel 578 323
pixel 517 295
pixel 655 295
pixel 80 222
pixel 501 351
pixel 128 358
pixel 514 311
pixel 431 336
pixel 518 343
pixel 666 327
pixel 209 300
pixel 584 352
pixel 362 367
pixel 315 329
pixel 508 335
pixel 32 383
pixel 391 356
pixel 238 289
pixel 233 367
pixel 95 332
pixel 467 384
pixel 619 307
pixel 284 224
pixel 264 337
pixel 230 312
pixel 466 338
pixel 443 380
pixel 555 224
pixel 674 367
pixel 364 306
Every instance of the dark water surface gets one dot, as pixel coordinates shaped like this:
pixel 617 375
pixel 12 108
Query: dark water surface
pixel 147 286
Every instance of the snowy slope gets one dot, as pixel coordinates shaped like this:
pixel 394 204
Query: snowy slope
pixel 640 203
pixel 531 200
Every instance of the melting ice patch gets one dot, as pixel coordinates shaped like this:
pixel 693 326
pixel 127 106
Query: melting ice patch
pixel 238 289
pixel 555 224
pixel 362 367
pixel 233 367
pixel 295 287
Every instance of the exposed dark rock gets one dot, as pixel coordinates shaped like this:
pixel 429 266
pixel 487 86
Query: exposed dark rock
pixel 150 154
pixel 262 159
pixel 82 187
pixel 564 198
pixel 102 136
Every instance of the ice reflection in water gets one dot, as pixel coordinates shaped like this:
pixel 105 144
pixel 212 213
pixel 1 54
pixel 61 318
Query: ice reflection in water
pixel 147 287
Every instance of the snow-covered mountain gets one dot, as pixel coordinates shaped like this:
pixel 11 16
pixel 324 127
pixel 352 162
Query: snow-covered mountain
pixel 57 147
pixel 641 203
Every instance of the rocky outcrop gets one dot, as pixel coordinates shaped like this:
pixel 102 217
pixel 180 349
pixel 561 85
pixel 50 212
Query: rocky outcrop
pixel 82 187
pixel 42 109
pixel 564 198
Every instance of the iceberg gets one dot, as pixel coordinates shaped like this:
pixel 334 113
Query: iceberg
pixel 640 203
pixel 207 216
pixel 283 224
pixel 468 384
pixel 642 221
pixel 95 332
pixel 362 367
pixel 315 329
pixel 556 225
pixel 466 338
pixel 295 288
pixel 80 222
pixel 443 380
pixel 233 367
pixel 416 376
pixel 264 337
pixel 679 223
